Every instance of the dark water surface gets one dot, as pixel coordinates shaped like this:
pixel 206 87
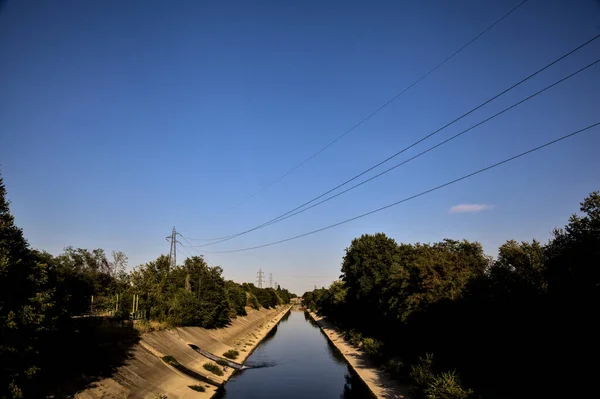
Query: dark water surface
pixel 296 361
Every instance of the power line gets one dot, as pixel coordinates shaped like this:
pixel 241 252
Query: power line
pixel 437 145
pixel 186 250
pixel 416 195
pixel 172 239
pixel 409 146
pixel 190 245
pixel 365 119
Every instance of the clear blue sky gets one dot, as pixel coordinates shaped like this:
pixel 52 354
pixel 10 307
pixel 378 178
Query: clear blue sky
pixel 120 120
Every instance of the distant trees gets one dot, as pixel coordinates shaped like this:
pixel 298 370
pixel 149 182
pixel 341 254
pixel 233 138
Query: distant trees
pixel 509 326
pixel 40 293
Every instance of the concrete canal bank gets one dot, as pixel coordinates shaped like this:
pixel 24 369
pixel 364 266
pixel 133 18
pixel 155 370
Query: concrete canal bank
pixel 380 384
pixel 168 362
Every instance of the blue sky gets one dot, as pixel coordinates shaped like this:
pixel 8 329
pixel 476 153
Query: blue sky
pixel 120 120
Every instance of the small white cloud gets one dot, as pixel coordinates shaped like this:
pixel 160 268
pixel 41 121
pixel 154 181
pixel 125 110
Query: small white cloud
pixel 470 208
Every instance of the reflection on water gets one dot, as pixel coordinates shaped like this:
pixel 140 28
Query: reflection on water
pixel 296 361
pixel 285 317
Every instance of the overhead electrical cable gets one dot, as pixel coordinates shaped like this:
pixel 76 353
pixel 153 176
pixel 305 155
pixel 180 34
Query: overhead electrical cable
pixel 284 215
pixel 365 119
pixel 435 146
pixel 416 195
pixel 190 245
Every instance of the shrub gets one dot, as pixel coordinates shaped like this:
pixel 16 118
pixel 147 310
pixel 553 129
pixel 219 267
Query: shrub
pixel 372 346
pixel 252 301
pixel 171 360
pixel 143 326
pixel 198 388
pixel 213 368
pixel 422 375
pixel 221 362
pixel 231 354
pixel 447 386
pixel 354 338
pixel 428 385
pixel 396 368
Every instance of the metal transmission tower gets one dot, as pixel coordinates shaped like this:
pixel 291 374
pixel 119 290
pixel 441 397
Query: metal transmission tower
pixel 173 251
pixel 260 278
pixel 271 280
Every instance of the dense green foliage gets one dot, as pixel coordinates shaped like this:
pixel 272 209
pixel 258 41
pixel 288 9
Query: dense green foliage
pixel 26 307
pixel 522 325
pixel 41 296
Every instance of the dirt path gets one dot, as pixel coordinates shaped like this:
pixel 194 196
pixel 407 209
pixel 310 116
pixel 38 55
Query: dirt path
pixel 376 379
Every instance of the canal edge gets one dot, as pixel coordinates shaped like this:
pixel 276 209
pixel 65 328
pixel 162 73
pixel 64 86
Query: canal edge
pixel 263 333
pixel 380 385
pixel 261 336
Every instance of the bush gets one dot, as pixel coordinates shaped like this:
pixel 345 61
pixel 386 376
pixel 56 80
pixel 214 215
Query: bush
pixel 422 375
pixel 184 309
pixel 396 368
pixel 354 338
pixel 372 347
pixel 252 301
pixel 231 354
pixel 213 368
pixel 221 362
pixel 447 386
pixel 198 388
pixel 428 385
pixel 170 360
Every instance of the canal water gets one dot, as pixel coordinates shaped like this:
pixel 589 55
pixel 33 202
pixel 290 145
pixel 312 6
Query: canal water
pixel 296 361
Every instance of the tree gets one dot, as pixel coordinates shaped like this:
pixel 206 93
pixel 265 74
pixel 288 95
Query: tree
pixel 25 301
pixel 366 270
pixel 333 301
pixel 440 271
pixel 236 297
pixel 118 265
pixel 574 253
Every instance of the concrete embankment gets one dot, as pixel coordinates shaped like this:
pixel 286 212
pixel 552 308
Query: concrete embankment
pixel 376 379
pixel 146 375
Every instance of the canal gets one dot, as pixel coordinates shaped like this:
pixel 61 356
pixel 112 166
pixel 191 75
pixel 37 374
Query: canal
pixel 296 361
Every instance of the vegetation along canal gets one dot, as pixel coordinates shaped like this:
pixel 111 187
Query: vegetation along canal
pixel 296 361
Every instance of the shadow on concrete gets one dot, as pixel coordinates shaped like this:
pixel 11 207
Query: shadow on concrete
pixel 84 351
pixel 391 388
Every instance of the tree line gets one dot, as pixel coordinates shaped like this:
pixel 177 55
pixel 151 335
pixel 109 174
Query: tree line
pixel 455 323
pixel 41 297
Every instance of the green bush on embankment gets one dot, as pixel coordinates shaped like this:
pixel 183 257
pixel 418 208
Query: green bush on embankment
pixel 197 388
pixel 430 385
pixel 222 362
pixel 213 368
pixel 170 360
pixel 231 354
